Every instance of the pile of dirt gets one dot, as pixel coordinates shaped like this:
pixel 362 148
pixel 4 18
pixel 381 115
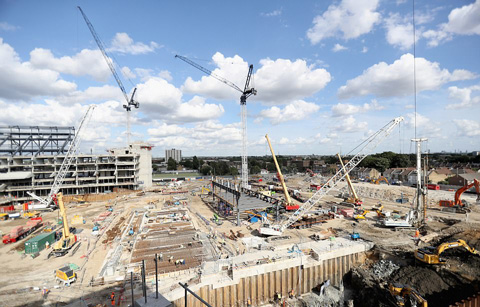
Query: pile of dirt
pixel 425 280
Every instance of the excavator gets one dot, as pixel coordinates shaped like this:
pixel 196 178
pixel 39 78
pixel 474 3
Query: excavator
pixel 353 199
pixel 361 216
pixel 289 204
pixel 457 203
pixel 68 239
pixel 403 292
pixel 431 255
pixel 378 180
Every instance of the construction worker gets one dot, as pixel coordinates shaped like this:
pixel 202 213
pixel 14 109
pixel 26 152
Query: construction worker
pixel 292 293
pixel 249 302
pixel 112 298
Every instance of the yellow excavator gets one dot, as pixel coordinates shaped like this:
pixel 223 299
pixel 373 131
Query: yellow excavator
pixel 68 239
pixel 431 255
pixel 403 292
pixel 353 199
pixel 361 216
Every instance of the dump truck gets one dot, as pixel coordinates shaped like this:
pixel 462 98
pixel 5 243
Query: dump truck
pixel 65 275
pixel 20 232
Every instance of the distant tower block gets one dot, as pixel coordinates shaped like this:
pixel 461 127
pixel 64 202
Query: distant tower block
pixel 175 154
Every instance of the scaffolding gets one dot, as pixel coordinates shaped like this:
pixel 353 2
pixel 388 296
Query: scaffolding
pixel 35 140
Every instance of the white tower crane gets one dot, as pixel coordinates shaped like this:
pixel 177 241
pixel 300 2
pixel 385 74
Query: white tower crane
pixel 364 148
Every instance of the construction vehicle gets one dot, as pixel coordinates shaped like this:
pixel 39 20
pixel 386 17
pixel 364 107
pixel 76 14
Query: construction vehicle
pixel 379 211
pixel 363 149
pixel 289 205
pixel 3 216
pixel 131 232
pixel 431 255
pixel 68 239
pixel 310 172
pixel 65 275
pixel 457 202
pixel 353 199
pixel 403 292
pixel 380 179
pixel 354 235
pixel 46 204
pixel 19 232
pixel 208 192
pixel 361 215
pixel 129 102
pixel 246 92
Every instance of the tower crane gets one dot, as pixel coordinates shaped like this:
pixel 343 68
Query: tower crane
pixel 289 205
pixel 246 92
pixel 67 161
pixel 363 150
pixel 129 102
pixel 353 199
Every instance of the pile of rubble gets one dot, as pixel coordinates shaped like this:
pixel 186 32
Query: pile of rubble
pixel 384 268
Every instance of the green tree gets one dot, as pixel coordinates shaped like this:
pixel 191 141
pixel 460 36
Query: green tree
pixel 187 164
pixel 255 169
pixel 233 171
pixel 195 163
pixel 205 170
pixel 172 164
pixel 271 167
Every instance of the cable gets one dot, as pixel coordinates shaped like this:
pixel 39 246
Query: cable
pixel 414 68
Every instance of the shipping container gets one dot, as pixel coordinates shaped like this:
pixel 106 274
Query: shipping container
pixel 37 243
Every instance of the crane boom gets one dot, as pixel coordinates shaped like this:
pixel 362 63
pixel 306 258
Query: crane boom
pixel 67 160
pixel 280 176
pixel 354 196
pixel 365 148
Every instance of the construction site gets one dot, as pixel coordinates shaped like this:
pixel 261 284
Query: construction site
pixel 98 230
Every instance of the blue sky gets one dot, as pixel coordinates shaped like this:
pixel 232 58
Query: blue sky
pixel 327 73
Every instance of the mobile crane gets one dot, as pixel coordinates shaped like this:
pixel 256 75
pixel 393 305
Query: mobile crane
pixel 368 145
pixel 353 199
pixel 457 203
pixel 402 292
pixel 431 255
pixel 68 239
pixel 289 205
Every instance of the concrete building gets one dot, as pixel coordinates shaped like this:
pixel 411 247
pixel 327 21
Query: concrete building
pixel 175 154
pixel 127 168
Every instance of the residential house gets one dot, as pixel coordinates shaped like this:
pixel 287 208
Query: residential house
pixel 463 179
pixel 403 176
pixel 393 174
pixel 439 174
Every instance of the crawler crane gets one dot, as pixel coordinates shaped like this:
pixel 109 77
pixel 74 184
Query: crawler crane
pixel 363 150
pixel 353 199
pixel 431 255
pixel 68 239
pixel 289 205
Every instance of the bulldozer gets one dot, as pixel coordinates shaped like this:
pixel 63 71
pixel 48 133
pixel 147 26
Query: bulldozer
pixel 68 240
pixel 431 255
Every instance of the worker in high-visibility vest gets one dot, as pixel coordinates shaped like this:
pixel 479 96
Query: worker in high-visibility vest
pixel 112 298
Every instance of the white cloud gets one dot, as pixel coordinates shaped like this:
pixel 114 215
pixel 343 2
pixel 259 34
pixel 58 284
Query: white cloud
pixel 86 62
pixel 92 94
pixel 338 47
pixel 346 109
pixel 160 99
pixel 164 130
pixel 297 141
pixel 351 19
pixel 384 80
pixel 165 74
pixel 123 43
pixel 296 110
pixel 461 21
pixel 127 73
pixel 5 26
pixel 464 96
pixel 272 13
pixel 466 127
pixel 364 49
pixel 425 126
pixel 400 32
pixel 21 81
pixel 280 81
pixel 350 125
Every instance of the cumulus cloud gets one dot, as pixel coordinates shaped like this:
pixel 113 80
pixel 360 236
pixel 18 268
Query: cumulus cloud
pixel 400 31
pixel 346 109
pixel 396 79
pixel 350 19
pixel 20 80
pixel 364 49
pixel 461 21
pixel 122 43
pixel 463 96
pixel 466 127
pixel 350 125
pixel 425 126
pixel 281 81
pixel 338 47
pixel 86 62
pixel 296 110
pixel 5 26
pixel 164 130
pixel 161 99
pixel 272 13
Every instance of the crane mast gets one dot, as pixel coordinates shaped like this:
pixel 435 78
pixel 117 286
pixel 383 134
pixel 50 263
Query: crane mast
pixel 67 160
pixel 354 196
pixel 366 147
pixel 280 176
pixel 129 102
pixel 246 92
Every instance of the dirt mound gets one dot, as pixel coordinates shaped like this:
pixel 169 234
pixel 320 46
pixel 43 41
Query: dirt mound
pixel 424 280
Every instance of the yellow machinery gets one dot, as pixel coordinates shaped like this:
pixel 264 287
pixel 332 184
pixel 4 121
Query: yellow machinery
pixel 68 239
pixel 289 205
pixel 403 292
pixel 3 216
pixel 431 255
pixel 65 275
pixel 378 180
pixel 204 189
pixel 353 199
pixel 361 216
